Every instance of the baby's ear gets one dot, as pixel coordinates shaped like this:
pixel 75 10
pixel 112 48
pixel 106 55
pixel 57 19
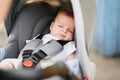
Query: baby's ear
pixel 51 25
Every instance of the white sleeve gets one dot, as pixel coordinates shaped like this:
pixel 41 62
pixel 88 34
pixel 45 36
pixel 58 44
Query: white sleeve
pixel 74 66
pixel 69 48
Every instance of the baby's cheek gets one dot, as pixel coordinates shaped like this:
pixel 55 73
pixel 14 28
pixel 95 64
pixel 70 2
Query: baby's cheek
pixel 71 37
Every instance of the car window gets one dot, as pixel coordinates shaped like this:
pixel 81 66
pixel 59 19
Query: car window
pixel 3 34
pixel 4 9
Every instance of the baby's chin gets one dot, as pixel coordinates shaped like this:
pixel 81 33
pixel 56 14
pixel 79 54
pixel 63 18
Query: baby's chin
pixel 65 39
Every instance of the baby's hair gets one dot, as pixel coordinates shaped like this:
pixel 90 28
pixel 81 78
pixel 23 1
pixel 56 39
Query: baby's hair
pixel 66 11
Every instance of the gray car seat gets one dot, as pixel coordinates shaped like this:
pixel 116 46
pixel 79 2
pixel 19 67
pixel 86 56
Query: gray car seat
pixel 34 18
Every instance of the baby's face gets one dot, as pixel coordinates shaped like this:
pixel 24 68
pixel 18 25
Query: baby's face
pixel 63 27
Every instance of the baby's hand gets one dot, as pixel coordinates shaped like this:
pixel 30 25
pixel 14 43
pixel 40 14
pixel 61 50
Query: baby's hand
pixel 71 56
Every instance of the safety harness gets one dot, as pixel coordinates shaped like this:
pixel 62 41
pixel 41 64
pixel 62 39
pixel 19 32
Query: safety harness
pixel 35 50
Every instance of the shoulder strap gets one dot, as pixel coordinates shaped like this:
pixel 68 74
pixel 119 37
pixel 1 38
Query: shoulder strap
pixel 39 36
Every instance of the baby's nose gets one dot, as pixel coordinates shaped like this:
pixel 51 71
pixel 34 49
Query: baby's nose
pixel 64 30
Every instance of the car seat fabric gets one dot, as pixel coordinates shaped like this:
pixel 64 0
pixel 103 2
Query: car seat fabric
pixel 32 19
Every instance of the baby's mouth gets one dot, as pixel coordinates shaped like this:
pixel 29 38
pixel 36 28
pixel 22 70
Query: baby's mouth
pixel 61 35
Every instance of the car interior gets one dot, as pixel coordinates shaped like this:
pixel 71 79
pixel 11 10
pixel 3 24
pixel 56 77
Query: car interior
pixel 31 20
pixel 26 19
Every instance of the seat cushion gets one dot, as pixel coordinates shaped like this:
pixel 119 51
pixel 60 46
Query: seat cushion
pixel 32 19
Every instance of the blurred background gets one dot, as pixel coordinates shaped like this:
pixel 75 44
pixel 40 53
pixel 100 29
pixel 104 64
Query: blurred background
pixel 105 50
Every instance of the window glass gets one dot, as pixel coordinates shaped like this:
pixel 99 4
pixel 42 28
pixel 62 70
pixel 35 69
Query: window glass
pixel 3 34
